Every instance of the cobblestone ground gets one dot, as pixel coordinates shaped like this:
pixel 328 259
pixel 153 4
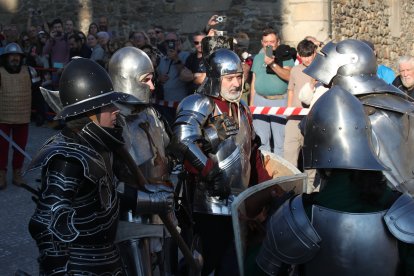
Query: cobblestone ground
pixel 18 250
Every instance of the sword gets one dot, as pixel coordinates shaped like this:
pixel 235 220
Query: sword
pixel 16 146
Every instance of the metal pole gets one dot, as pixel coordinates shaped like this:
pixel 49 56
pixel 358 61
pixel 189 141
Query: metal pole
pixel 16 146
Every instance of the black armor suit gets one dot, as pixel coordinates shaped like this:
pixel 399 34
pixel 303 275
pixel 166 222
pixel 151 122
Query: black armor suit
pixel 356 225
pixel 141 231
pixel 351 64
pixel 213 137
pixel 76 217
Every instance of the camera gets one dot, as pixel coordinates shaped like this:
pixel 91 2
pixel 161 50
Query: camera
pixel 221 19
pixel 171 44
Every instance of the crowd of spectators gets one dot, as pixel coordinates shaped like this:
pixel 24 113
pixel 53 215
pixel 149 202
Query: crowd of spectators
pixel 179 69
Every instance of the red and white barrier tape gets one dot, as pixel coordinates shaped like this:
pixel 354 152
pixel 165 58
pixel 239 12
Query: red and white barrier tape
pixel 264 110
pixel 287 111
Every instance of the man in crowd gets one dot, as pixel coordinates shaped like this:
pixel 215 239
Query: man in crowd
pixel 214 138
pixel 16 82
pixel 194 62
pixel 77 47
pixel 173 76
pixel 57 48
pixel 69 28
pixel 293 138
pixel 268 88
pixel 160 38
pixel 405 81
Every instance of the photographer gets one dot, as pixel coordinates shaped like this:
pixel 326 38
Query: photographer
pixel 269 87
pixel 173 76
pixel 57 48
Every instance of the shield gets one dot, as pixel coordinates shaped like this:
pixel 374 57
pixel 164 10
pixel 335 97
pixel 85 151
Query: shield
pixel 255 204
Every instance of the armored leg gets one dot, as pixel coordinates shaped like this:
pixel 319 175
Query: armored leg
pixel 136 257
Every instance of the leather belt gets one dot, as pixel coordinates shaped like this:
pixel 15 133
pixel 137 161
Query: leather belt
pixel 274 97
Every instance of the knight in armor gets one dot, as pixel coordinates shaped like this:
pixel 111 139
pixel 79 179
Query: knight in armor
pixel 16 82
pixel 351 64
pixel 214 138
pixel 140 231
pixel 76 216
pixel 356 225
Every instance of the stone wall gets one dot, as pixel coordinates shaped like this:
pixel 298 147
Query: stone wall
pixel 386 23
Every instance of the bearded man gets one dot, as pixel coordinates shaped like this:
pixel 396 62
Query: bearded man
pixel 405 81
pixel 214 138
pixel 16 82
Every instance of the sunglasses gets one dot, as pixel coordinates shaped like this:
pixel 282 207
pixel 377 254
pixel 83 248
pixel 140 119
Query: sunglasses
pixel 196 42
pixel 158 31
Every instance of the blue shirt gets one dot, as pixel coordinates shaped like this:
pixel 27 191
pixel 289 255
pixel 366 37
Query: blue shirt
pixel 385 73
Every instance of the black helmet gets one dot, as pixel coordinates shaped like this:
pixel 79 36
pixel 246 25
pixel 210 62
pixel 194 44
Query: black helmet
pixel 85 86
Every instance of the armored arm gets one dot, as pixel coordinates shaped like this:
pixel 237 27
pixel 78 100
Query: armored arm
pixel 52 225
pixel 192 115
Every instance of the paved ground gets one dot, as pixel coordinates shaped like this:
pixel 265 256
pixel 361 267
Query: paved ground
pixel 17 248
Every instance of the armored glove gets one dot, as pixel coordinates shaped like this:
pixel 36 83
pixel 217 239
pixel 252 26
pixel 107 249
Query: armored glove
pixel 216 184
pixel 225 126
pixel 154 202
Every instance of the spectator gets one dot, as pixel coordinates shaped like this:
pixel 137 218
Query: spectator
pixel 293 138
pixel 269 87
pixel 82 36
pixel 57 48
pixel 77 48
pixel 103 26
pixel 160 35
pixel 173 76
pixel 195 63
pixel 15 109
pixel 103 40
pixel 98 53
pixel 405 80
pixel 69 28
pixel 138 39
pixel 152 36
pixel 383 72
pixel 93 28
pixel 241 47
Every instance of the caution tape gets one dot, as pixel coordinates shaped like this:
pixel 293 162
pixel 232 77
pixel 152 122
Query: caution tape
pixel 263 110
pixel 287 111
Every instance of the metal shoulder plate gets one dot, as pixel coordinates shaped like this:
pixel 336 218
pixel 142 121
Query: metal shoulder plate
pixel 198 104
pixel 388 101
pixel 400 218
pixel 192 114
pixel 291 238
pixel 92 162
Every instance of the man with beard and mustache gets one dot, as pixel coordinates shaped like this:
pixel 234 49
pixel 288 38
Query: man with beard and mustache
pixel 405 81
pixel 15 109
pixel 215 140
pixel 77 48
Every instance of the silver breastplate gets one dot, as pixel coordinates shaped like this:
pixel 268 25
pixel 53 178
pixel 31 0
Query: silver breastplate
pixel 233 155
pixel 352 244
pixel 146 140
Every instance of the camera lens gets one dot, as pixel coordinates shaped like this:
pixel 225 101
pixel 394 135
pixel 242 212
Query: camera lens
pixel 220 19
